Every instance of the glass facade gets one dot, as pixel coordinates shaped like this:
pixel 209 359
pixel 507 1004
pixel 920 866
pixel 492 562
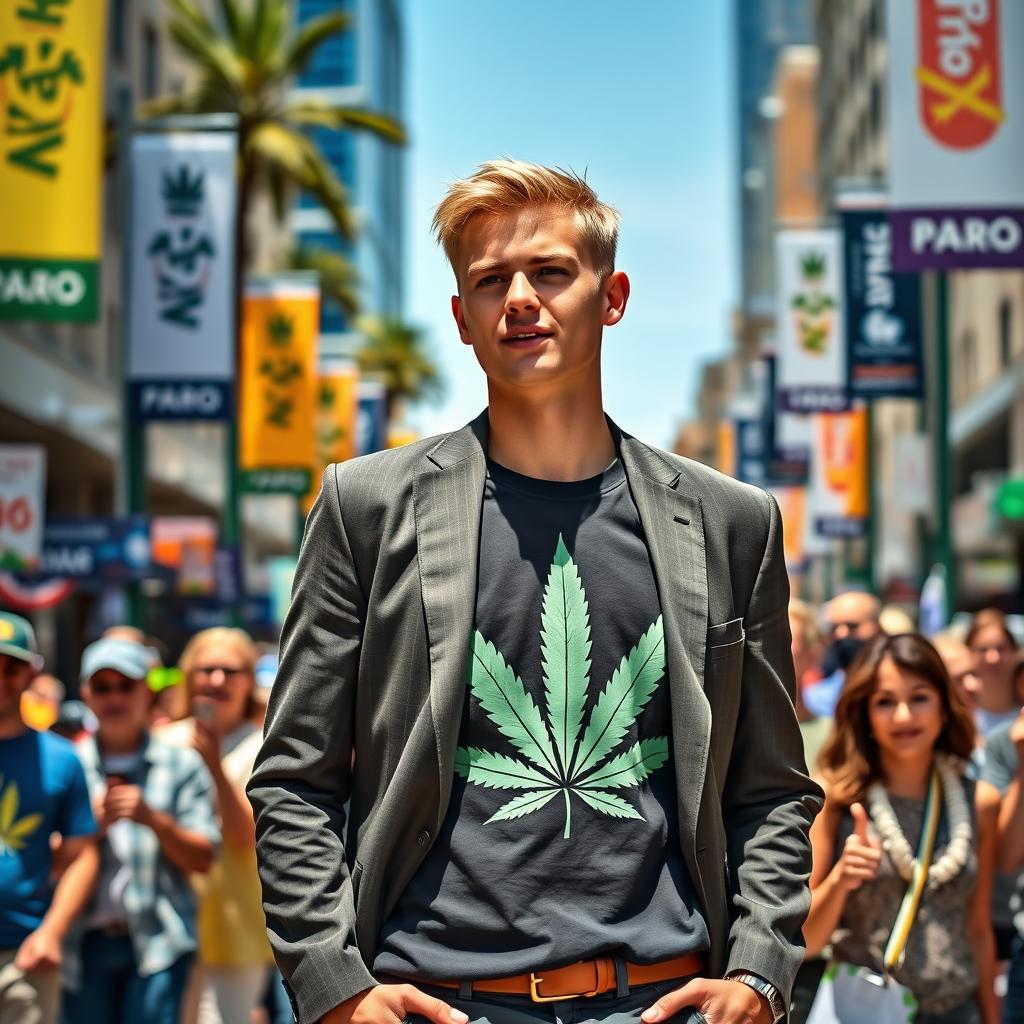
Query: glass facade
pixel 367 63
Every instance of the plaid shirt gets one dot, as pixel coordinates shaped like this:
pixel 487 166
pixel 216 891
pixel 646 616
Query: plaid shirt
pixel 159 900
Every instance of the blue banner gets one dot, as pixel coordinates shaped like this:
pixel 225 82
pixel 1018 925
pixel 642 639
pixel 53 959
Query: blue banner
pixel 101 550
pixel 371 418
pixel 883 312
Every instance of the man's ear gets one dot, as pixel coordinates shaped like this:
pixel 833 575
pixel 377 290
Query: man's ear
pixel 616 295
pixel 460 320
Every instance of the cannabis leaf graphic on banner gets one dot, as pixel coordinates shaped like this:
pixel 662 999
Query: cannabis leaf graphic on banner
pixel 555 757
pixel 14 832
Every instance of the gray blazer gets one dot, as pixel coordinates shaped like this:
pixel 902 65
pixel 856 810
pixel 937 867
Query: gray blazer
pixel 374 662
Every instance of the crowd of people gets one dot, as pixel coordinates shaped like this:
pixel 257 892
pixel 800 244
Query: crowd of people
pixel 160 920
pixel 128 885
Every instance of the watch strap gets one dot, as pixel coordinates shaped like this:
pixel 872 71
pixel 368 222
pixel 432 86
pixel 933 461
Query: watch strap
pixel 764 988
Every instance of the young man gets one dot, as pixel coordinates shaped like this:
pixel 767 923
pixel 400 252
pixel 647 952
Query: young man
pixel 547 667
pixel 42 792
pixel 135 944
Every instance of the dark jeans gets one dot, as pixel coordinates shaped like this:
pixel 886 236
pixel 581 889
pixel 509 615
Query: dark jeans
pixel 113 992
pixel 610 1008
pixel 1013 1004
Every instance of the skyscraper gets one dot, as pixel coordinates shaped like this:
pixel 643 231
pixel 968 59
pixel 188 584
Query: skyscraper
pixel 361 68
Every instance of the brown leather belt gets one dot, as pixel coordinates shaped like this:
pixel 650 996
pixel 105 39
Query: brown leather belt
pixel 585 979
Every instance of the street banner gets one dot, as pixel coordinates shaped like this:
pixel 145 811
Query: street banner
pixel 280 325
pixel 786 434
pixel 792 501
pixel 101 550
pixel 882 312
pixel 956 133
pixel 811 355
pixel 337 386
pixel 188 545
pixel 838 497
pixel 22 496
pixel 371 418
pixel 911 484
pixel 181 352
pixel 51 158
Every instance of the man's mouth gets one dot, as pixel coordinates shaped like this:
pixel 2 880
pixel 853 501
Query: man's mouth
pixel 526 336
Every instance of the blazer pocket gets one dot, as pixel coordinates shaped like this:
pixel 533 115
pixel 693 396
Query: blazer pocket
pixel 357 877
pixel 725 634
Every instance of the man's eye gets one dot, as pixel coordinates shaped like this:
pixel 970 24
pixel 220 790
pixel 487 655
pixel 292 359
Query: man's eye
pixel 485 281
pixel 551 270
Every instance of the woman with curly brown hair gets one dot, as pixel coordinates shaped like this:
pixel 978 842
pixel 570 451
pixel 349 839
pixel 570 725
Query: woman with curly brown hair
pixel 899 721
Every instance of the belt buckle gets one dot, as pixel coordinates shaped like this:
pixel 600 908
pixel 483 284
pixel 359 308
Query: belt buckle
pixel 536 997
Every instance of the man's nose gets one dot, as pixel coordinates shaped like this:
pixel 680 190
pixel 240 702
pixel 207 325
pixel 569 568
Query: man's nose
pixel 521 295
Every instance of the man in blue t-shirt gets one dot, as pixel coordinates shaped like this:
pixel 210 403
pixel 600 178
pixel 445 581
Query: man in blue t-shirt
pixel 42 792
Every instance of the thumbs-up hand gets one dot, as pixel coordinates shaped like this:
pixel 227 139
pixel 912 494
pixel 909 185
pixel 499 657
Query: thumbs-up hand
pixel 861 853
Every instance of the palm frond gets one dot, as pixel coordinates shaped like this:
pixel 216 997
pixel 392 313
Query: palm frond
pixel 300 48
pixel 315 113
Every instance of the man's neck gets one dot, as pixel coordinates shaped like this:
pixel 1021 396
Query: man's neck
pixel 997 700
pixel 116 745
pixel 12 726
pixel 562 437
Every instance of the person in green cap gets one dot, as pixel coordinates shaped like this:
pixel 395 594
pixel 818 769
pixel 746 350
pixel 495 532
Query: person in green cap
pixel 42 792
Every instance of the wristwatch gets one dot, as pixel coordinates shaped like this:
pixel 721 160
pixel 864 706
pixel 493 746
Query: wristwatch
pixel 764 988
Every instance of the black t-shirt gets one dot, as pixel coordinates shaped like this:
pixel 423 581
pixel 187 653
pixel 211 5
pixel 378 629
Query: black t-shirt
pixel 568 682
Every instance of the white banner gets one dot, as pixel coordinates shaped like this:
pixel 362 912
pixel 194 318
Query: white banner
pixel 22 510
pixel 811 354
pixel 956 133
pixel 182 342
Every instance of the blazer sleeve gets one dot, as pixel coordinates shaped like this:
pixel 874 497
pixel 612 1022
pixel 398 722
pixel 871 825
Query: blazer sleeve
pixel 768 802
pixel 303 774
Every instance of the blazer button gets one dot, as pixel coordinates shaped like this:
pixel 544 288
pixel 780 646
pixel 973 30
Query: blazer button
pixel 423 838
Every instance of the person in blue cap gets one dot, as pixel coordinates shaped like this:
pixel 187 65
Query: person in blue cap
pixel 42 792
pixel 133 949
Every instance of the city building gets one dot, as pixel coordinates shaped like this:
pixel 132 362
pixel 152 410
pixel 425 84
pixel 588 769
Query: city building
pixel 362 68
pixel 984 311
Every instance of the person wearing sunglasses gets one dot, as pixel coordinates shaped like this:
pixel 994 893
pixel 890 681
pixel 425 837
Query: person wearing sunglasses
pixel 154 803
pixel 235 959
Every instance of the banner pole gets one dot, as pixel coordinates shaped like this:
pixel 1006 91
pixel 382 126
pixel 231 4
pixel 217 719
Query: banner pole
pixel 944 533
pixel 130 473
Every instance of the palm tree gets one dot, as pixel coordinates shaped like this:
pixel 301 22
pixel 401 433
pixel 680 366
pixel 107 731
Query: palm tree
pixel 248 70
pixel 395 353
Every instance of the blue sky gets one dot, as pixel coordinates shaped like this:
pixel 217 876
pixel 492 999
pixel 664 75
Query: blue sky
pixel 640 95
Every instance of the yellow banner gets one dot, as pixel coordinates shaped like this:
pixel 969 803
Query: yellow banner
pixel 278 381
pixel 335 421
pixel 51 158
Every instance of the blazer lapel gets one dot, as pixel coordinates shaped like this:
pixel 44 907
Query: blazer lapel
pixel 448 496
pixel 674 528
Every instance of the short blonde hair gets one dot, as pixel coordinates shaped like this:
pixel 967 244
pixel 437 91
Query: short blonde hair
pixel 501 185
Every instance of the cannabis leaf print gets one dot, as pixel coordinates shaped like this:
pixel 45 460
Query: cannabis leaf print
pixel 555 758
pixel 14 831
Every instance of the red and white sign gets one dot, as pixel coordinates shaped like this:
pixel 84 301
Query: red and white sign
pixel 956 133
pixel 959 79
pixel 22 493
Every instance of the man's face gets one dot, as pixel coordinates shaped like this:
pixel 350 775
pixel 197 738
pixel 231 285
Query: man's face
pixel 15 677
pixel 853 615
pixel 530 301
pixel 120 704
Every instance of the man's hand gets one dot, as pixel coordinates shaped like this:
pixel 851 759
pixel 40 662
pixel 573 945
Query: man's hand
pixel 39 952
pixel 861 854
pixel 207 744
pixel 125 802
pixel 719 1002
pixel 390 1004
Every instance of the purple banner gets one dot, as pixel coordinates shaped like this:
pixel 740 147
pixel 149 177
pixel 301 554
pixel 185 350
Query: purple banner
pixel 948 239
